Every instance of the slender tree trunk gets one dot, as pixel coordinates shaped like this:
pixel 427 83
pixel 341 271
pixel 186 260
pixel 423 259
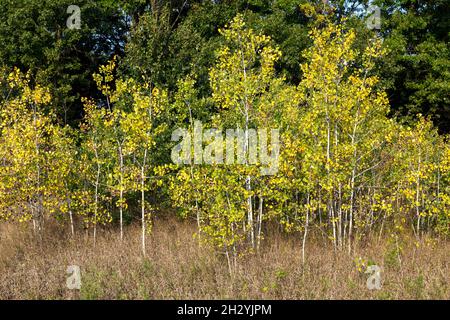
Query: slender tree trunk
pixel 34 221
pixel 38 213
pixel 230 268
pixel 330 192
pixel 418 196
pixel 305 234
pixel 69 206
pixel 234 247
pixel 97 182
pixel 72 228
pixel 352 182
pixel 350 225
pixel 246 148
pixel 121 192
pixel 143 203
pixel 352 196
pixel 143 220
pixel 341 237
pixel 197 210
pixel 250 213
pixel 248 186
pixel 259 224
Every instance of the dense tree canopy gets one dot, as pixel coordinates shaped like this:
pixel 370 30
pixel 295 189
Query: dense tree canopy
pixel 167 40
pixel 417 69
pixel 90 118
pixel 35 38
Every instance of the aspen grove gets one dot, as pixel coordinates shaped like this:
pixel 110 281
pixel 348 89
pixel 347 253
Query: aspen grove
pixel 346 168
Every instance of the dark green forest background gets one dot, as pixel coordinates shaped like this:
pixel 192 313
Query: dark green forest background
pixel 164 41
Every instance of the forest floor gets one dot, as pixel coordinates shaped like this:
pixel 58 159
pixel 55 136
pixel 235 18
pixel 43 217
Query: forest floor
pixel 176 267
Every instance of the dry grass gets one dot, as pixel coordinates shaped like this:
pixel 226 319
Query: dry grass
pixel 177 268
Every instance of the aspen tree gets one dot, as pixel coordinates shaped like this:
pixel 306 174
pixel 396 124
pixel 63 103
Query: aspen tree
pixel 243 74
pixel 224 195
pixel 95 164
pixel 119 177
pixel 24 132
pixel 342 129
pixel 62 175
pixel 142 129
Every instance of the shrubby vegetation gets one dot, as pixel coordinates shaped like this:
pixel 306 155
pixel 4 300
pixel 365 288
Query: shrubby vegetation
pixel 346 168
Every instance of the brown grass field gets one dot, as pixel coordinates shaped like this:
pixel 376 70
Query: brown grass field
pixel 178 268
